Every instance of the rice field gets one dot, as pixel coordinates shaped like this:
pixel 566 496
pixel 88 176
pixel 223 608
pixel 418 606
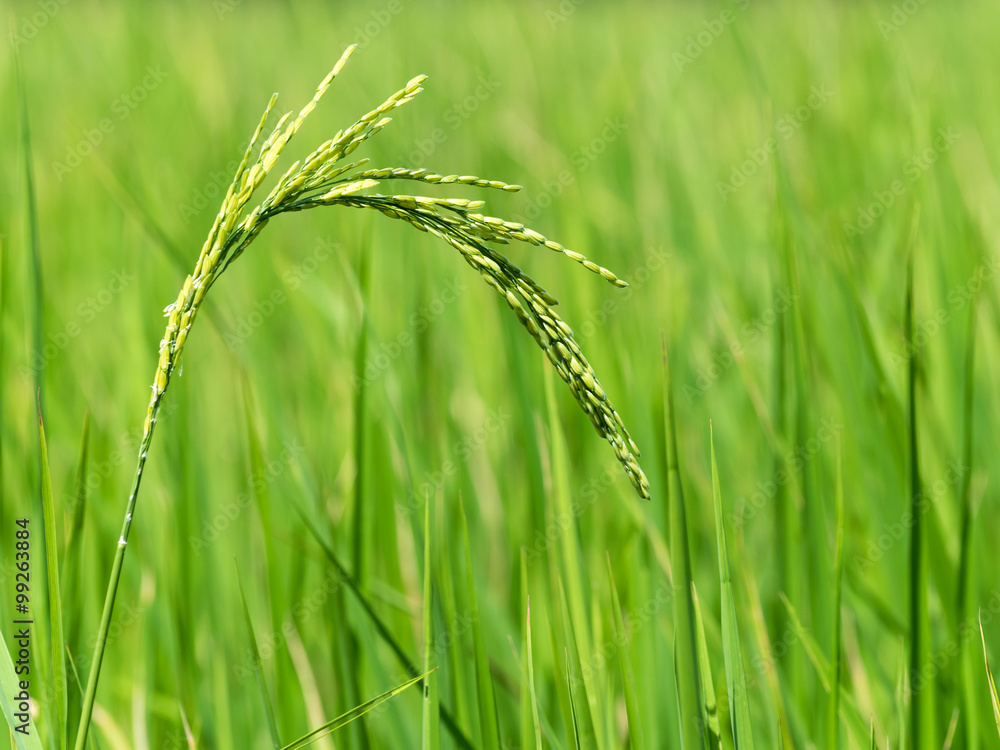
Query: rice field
pixel 373 514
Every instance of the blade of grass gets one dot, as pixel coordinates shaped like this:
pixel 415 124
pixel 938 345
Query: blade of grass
pixel 255 659
pixel 431 735
pixel 966 683
pixel 3 306
pixel 262 498
pixel 57 644
pixel 994 698
pixel 572 707
pixel 31 221
pixel 354 714
pixel 531 679
pixel 836 651
pixel 710 706
pixel 922 728
pixel 591 713
pixel 732 650
pixel 530 729
pixel 625 663
pixel 689 698
pixel 489 730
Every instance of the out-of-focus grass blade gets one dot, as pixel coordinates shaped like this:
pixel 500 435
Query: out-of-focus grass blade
pixel 769 676
pixel 625 662
pixel 57 645
pixel 591 713
pixel 710 706
pixel 531 732
pixel 358 510
pixel 349 716
pixel 966 683
pixel 836 651
pixel 531 681
pixel 689 697
pixel 732 650
pixel 431 736
pixel 255 659
pixel 572 706
pixel 3 306
pixel 79 499
pixel 989 676
pixel 31 221
pixel 490 731
pixel 922 728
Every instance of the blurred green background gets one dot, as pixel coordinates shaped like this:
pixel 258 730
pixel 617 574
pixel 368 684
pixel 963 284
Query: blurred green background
pixel 693 148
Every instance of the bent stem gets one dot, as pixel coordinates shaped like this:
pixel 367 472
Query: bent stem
pixel 319 180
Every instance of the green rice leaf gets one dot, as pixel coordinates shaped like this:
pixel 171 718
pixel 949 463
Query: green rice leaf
pixel 625 662
pixel 431 735
pixel 689 681
pixel 994 698
pixel 732 650
pixel 833 712
pixel 57 645
pixel 355 713
pixel 710 707
pixel 258 672
pixel 490 731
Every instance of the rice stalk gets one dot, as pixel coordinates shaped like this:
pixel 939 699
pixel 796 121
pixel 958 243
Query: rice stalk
pixel 321 180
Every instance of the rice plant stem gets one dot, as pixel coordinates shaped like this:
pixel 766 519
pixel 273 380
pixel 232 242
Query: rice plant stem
pixel 109 599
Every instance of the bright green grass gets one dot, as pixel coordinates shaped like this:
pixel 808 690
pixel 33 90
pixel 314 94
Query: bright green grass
pixel 331 547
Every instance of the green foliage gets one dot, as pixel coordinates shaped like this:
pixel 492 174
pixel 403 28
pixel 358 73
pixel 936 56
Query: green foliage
pixel 350 380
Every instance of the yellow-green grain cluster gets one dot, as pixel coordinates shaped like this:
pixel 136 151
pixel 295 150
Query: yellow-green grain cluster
pixel 320 180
